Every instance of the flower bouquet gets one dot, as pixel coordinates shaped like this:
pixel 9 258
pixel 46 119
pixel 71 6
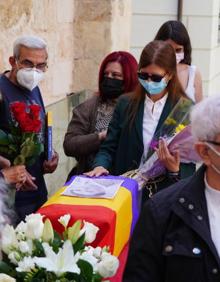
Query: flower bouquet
pixel 176 131
pixel 22 145
pixel 34 252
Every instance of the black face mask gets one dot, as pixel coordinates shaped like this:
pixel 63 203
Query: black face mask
pixel 111 88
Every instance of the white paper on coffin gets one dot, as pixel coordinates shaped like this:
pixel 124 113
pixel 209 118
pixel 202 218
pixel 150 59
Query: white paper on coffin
pixel 93 187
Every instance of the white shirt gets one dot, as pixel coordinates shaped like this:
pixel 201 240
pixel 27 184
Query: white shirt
pixel 190 89
pixel 213 204
pixel 152 113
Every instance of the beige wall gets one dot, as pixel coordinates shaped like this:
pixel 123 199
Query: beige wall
pixel 79 34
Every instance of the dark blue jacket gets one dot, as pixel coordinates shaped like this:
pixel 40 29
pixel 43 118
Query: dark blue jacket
pixel 172 240
pixel 10 93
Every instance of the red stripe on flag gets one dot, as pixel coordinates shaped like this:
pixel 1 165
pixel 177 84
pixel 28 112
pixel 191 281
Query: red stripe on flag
pixel 102 217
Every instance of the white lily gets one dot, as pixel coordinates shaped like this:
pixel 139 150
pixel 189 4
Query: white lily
pixel 9 239
pixel 90 231
pixel 63 261
pixel 34 226
pixel 64 220
pixel 26 265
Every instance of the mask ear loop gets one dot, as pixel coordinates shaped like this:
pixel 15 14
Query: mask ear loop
pixel 213 149
pixel 217 153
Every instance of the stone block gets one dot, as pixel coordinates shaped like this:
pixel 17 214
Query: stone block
pixel 65 11
pixel 91 40
pixel 93 10
pixel 62 78
pixel 85 74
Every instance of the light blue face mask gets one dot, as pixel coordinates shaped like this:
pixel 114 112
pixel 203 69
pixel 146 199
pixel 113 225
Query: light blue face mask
pixel 153 88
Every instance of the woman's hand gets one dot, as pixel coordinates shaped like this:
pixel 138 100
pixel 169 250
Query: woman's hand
pixel 102 135
pixel 97 171
pixel 170 161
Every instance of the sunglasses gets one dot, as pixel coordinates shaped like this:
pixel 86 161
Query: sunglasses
pixel 153 77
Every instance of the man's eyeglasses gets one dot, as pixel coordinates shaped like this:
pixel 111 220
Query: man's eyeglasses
pixel 29 64
pixel 153 77
pixel 213 142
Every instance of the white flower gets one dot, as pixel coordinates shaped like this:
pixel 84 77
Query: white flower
pixel 6 278
pixel 26 247
pixel 9 239
pixel 26 265
pixel 108 266
pixel 21 230
pixel 64 220
pixel 89 257
pixel 21 227
pixel 14 257
pixel 63 261
pixel 90 231
pixel 48 233
pixel 97 252
pixel 34 226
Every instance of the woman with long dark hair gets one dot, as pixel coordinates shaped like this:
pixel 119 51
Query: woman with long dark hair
pixel 175 33
pixel 139 115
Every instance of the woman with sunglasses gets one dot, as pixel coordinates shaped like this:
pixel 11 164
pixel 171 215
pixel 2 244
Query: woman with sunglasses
pixel 175 33
pixel 139 115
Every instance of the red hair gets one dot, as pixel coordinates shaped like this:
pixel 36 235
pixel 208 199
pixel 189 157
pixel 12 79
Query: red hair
pixel 129 68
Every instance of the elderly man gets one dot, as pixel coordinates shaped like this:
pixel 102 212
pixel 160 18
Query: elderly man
pixel 177 237
pixel 28 66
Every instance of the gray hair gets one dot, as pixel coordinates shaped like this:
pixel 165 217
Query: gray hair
pixel 205 119
pixel 29 41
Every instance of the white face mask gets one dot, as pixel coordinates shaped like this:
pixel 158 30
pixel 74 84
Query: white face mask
pixel 217 153
pixel 179 57
pixel 29 77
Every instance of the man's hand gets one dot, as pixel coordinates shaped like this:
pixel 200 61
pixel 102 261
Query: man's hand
pixel 50 166
pixel 19 176
pixel 27 183
pixel 4 162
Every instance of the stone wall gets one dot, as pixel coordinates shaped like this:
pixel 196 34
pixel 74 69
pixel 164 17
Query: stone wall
pixel 79 33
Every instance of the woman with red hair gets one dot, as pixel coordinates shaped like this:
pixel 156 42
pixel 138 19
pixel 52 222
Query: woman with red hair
pixel 88 126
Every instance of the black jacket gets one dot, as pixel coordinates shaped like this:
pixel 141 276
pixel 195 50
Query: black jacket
pixel 172 240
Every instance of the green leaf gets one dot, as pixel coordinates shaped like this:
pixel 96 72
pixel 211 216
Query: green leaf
pixel 7 269
pixel 20 159
pixel 79 244
pixel 73 231
pixel 4 138
pixel 57 242
pixel 38 250
pixel 86 270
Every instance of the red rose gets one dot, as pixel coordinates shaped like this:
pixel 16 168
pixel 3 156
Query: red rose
pixel 35 111
pixel 30 125
pixel 18 110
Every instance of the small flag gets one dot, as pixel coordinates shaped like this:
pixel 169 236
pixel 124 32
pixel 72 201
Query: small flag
pixel 49 140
